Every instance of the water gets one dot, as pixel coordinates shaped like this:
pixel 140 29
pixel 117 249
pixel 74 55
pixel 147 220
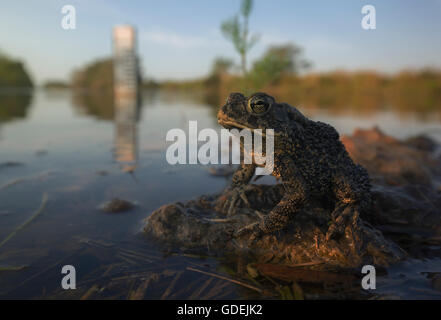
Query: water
pixel 79 153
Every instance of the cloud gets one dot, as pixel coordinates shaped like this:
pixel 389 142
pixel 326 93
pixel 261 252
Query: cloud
pixel 323 44
pixel 176 40
pixel 267 39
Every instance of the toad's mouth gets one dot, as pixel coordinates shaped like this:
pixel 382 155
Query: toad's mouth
pixel 231 124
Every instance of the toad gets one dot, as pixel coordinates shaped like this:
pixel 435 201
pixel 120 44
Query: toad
pixel 309 160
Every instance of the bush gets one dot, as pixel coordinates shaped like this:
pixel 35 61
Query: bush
pixel 13 73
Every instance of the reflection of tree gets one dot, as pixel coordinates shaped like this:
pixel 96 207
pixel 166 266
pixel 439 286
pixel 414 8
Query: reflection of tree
pixel 97 75
pixel 98 104
pixel 93 89
pixel 14 106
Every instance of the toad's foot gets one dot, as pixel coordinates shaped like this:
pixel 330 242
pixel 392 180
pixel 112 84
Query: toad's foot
pixel 236 195
pixel 343 216
pixel 253 230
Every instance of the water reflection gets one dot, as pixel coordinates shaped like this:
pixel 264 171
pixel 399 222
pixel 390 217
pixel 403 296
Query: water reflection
pixel 72 231
pixel 126 78
pixel 14 106
pixel 126 119
pixel 96 104
pixel 124 109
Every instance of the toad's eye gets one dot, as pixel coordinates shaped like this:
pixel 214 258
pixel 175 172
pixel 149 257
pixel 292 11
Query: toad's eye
pixel 259 105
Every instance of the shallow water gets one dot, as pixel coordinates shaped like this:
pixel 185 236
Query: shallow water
pixel 81 154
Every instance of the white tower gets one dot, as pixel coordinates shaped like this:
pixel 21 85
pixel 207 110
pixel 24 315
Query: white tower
pixel 125 60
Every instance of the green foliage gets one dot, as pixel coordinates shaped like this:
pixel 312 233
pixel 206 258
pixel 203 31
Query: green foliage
pixel 246 7
pixel 221 66
pixel 363 91
pixel 93 89
pixel 150 84
pixel 219 69
pixel 422 89
pixel 56 84
pixel 98 75
pixel 13 73
pixel 235 29
pixel 276 62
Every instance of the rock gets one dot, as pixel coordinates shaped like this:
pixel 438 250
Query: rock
pixel 222 171
pixel 390 161
pixel 9 164
pixel 102 173
pixel 407 206
pixel 404 174
pixel 40 153
pixel 421 142
pixel 117 205
pixel 436 282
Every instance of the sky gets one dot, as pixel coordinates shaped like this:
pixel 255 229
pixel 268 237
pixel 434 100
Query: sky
pixel 179 39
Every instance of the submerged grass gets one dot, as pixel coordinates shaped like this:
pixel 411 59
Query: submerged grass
pixel 20 180
pixel 27 222
pixel 13 268
pixel 241 283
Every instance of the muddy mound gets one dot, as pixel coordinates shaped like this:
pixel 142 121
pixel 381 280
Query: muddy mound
pixel 196 225
pixel 405 195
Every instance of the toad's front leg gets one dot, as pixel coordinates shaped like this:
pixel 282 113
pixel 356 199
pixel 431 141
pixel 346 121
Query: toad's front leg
pixel 239 186
pixel 292 201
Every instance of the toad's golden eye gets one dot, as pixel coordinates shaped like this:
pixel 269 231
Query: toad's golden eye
pixel 259 105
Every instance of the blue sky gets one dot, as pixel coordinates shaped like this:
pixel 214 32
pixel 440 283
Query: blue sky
pixel 179 39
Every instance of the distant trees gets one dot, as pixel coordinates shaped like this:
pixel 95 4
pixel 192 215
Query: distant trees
pixel 221 66
pixel 56 84
pixel 14 106
pixel 96 78
pixel 97 75
pixel 236 30
pixel 13 73
pixel 277 61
